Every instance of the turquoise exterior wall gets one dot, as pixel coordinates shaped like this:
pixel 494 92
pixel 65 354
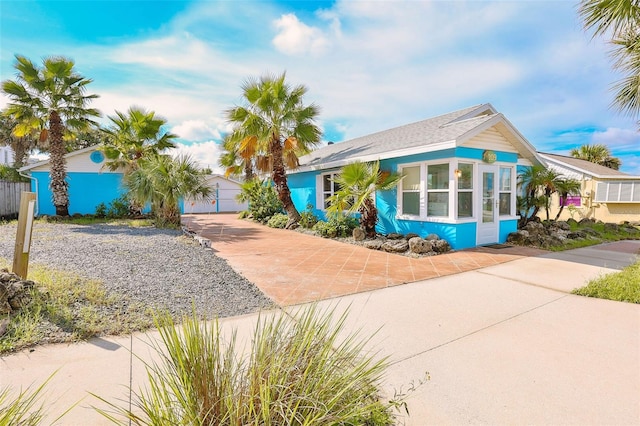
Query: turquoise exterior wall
pixel 86 191
pixel 459 235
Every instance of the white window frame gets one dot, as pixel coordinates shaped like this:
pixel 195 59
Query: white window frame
pixel 606 189
pixel 320 199
pixel 472 190
pixel 421 192
pixel 510 191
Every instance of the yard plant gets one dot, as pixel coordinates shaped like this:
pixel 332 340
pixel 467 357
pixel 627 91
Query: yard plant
pixel 298 370
pixel 622 286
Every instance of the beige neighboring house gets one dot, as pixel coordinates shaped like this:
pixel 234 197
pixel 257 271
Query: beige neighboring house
pixel 608 195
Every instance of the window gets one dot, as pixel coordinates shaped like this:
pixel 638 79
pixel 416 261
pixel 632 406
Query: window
pixel 504 190
pixel 411 191
pixel 329 187
pixel 465 190
pixel 618 192
pixel 438 190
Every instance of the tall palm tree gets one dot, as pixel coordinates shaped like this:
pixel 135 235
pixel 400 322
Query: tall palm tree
pixel 358 183
pixel 134 136
pixel 598 154
pixel 162 181
pixel 564 188
pixel 621 20
pixel 274 116
pixel 51 100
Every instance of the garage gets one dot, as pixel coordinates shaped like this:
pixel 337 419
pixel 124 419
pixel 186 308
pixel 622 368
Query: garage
pixel 223 197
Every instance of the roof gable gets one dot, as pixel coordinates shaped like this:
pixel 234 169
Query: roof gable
pixel 441 132
pixel 585 167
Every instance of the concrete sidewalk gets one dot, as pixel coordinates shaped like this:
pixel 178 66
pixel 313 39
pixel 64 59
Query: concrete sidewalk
pixel 504 344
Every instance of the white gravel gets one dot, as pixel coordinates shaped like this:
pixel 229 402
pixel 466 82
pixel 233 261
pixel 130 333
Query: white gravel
pixel 158 267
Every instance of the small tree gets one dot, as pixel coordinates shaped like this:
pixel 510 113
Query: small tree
pixel 163 181
pixel 358 183
pixel 566 187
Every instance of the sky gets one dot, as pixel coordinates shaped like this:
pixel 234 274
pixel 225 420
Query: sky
pixel 368 65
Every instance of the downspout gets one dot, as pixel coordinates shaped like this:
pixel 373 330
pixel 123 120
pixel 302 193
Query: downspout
pixel 35 181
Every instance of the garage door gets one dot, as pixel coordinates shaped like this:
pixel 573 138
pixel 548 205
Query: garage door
pixel 226 202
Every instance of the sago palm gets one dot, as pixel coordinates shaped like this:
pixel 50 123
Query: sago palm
pixel 50 100
pixel 133 136
pixel 281 126
pixel 598 154
pixel 162 182
pixel 358 183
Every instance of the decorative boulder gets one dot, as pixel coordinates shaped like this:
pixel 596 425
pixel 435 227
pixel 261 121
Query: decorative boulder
pixel 518 237
pixel 534 228
pixel 395 236
pixel 396 246
pixel 358 234
pixel 441 246
pixel 611 227
pixel 563 225
pixel 411 235
pixel 373 244
pixel 577 234
pixel 432 237
pixel 15 293
pixel 419 246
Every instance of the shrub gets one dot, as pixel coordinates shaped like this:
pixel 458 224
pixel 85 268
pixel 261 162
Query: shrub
pixel 118 208
pixel 11 174
pixel 308 218
pixel 101 210
pixel 262 197
pixel 300 370
pixel 337 226
pixel 278 220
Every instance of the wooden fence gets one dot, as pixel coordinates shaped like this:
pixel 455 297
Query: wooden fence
pixel 10 197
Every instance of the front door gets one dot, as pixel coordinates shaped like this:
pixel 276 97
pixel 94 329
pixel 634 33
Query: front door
pixel 488 224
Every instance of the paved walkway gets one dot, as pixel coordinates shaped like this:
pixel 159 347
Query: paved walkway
pixel 293 268
pixel 503 344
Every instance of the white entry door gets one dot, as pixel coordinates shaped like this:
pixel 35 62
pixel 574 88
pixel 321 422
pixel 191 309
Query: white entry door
pixel 488 224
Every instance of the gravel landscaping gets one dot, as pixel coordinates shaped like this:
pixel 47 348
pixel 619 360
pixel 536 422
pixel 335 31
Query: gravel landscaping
pixel 156 267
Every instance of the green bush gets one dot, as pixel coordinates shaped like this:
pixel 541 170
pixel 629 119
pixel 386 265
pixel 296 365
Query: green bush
pixel 101 210
pixel 118 208
pixel 308 218
pixel 299 369
pixel 262 198
pixel 278 220
pixel 11 174
pixel 337 226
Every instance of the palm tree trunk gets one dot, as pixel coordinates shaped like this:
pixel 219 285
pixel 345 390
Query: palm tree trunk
pixel 369 218
pixel 279 177
pixel 248 170
pixel 58 174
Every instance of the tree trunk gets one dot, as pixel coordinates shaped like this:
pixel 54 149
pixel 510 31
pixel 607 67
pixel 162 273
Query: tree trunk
pixel 279 176
pixel 58 174
pixel 248 170
pixel 369 218
pixel 20 151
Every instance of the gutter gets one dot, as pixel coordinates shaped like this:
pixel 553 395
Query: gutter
pixel 35 181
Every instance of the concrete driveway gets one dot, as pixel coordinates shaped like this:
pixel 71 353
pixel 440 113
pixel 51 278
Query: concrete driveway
pixel 503 344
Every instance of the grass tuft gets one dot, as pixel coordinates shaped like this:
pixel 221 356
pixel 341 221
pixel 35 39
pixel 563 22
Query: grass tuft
pixel 623 286
pixel 301 370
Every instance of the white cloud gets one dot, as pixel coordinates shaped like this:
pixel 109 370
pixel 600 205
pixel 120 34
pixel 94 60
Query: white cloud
pixel 617 138
pixel 295 37
pixel 205 153
pixel 196 130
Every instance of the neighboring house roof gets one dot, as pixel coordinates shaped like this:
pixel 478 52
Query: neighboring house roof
pixel 69 155
pixel 585 167
pixel 441 132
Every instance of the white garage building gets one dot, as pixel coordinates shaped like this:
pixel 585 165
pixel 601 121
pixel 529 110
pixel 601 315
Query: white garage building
pixel 223 197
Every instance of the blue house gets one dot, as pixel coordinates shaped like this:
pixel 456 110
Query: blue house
pixel 460 176
pixel 89 183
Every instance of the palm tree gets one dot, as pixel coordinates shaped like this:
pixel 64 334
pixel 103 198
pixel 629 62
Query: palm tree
pixel 621 19
pixel 533 182
pixel 564 188
pixel 598 154
pixel 275 119
pixel 50 100
pixel 358 183
pixel 135 136
pixel 238 156
pixel 21 146
pixel 163 181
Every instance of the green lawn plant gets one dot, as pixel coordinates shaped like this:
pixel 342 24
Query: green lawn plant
pixel 337 225
pixel 278 220
pixel 623 286
pixel 299 369
pixel 262 198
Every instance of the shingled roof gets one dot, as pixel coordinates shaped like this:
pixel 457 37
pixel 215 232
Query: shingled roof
pixel 586 167
pixel 441 132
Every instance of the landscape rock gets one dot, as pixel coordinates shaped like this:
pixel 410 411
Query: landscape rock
pixel 519 237
pixel 395 236
pixel 373 244
pixel 419 246
pixel 432 237
pixel 441 246
pixel 411 235
pixel 576 234
pixel 358 234
pixel 15 293
pixel 396 246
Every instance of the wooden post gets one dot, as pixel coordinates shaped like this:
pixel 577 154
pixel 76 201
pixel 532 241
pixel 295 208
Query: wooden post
pixel 23 235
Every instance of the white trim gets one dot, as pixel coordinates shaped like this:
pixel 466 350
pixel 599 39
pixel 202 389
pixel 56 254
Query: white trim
pixel 586 172
pixel 69 155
